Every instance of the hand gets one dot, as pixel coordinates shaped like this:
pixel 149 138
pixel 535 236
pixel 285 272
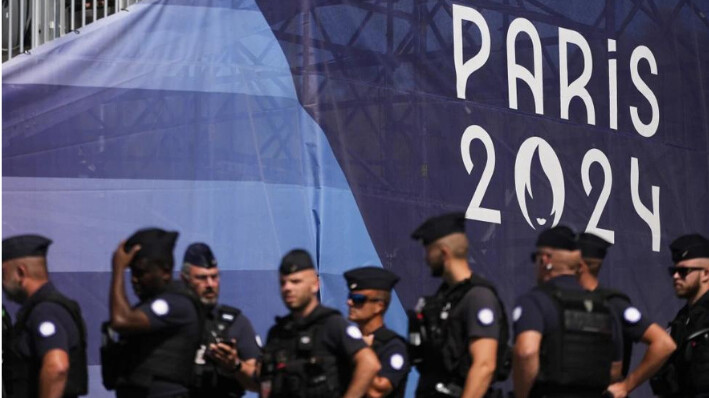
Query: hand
pixel 121 258
pixel 369 339
pixel 225 355
pixel 619 390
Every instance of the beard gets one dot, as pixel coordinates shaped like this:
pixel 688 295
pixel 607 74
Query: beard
pixel 687 290
pixel 436 266
pixel 15 294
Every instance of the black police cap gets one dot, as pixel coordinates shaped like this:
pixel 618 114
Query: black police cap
pixel 593 246
pixel 155 244
pixel 200 255
pixel 296 260
pixel 437 227
pixel 690 246
pixel 559 237
pixel 24 246
pixel 376 278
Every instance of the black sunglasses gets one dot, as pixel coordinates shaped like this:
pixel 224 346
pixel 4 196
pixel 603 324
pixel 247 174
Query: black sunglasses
pixel 682 271
pixel 533 256
pixel 359 299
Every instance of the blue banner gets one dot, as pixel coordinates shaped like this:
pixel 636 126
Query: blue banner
pixel 262 125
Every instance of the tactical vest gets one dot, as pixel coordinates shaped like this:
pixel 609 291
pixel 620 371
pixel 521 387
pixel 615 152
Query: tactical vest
pixel 168 355
pixel 23 376
pixel 381 338
pixel 439 343
pixel 295 363
pixel 577 356
pixel 686 373
pixel 207 381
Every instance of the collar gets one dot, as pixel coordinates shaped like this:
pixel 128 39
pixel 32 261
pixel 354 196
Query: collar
pixel 565 281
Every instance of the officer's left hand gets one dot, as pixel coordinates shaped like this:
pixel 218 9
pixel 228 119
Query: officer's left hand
pixel 225 355
pixel 619 390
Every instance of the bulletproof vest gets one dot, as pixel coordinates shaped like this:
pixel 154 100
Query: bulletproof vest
pixel 381 337
pixel 686 372
pixel 207 381
pixel 577 356
pixel 295 362
pixel 439 343
pixel 23 376
pixel 627 340
pixel 168 355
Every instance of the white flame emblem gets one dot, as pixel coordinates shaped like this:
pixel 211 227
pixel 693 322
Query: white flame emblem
pixel 552 169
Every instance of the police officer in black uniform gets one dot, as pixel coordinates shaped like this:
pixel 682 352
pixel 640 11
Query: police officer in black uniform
pixel 226 359
pixel 46 353
pixel 686 373
pixel 636 327
pixel 568 340
pixel 153 354
pixel 313 352
pixel 369 297
pixel 459 335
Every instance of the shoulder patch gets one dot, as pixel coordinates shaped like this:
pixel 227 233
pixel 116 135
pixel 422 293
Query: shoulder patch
pixel 396 361
pixel 486 317
pixel 516 313
pixel 160 307
pixel 354 332
pixel 47 329
pixel 632 315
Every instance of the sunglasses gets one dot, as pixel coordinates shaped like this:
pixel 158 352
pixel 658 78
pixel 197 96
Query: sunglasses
pixel 360 299
pixel 682 271
pixel 536 255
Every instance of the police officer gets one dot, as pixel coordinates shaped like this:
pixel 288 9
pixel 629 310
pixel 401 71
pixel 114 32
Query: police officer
pixel 46 354
pixel 313 352
pixel 459 334
pixel 226 359
pixel 686 374
pixel 567 339
pixel 159 336
pixel 635 326
pixel 369 297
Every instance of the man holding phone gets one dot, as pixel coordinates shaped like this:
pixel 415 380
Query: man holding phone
pixel 226 359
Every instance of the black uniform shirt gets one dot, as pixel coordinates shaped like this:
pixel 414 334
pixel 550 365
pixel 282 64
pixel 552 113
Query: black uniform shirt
pixel 49 327
pixel 633 322
pixel 479 314
pixel 394 359
pixel 168 311
pixel 692 369
pixel 537 311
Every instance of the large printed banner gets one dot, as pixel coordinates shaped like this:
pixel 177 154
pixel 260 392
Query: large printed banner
pixel 338 126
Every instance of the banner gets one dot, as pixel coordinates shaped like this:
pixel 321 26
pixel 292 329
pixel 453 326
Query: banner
pixel 339 126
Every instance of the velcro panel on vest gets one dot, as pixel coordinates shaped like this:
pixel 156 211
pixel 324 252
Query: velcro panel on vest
pixel 584 349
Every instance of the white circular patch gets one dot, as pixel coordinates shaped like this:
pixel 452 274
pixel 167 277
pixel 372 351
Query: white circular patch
pixel 632 315
pixel 516 313
pixel 486 316
pixel 305 340
pixel 354 332
pixel 258 341
pixel 396 361
pixel 47 329
pixel 160 307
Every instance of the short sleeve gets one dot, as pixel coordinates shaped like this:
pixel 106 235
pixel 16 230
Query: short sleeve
pixel 395 361
pixel 51 327
pixel 527 315
pixel 632 321
pixel 482 313
pixel 169 310
pixel 342 337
